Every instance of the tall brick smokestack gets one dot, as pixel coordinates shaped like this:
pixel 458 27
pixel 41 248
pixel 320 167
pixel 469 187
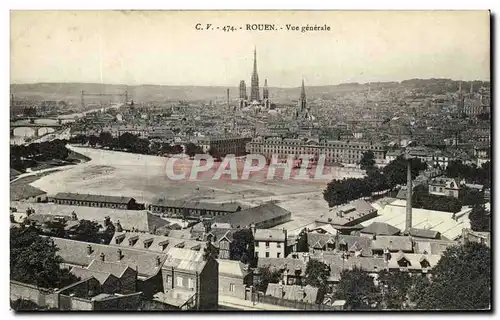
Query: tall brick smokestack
pixel 409 192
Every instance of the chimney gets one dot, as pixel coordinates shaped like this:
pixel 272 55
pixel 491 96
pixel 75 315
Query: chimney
pixel 119 252
pixel 102 256
pixel 409 192
pixel 374 236
pixel 252 228
pixel 89 250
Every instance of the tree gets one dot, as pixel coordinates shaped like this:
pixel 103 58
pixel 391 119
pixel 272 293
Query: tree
pixel 192 149
pixel 105 139
pixel 242 246
pixel 87 231
pixel 479 219
pixel 214 153
pixel 396 170
pixel 396 286
pixel 302 245
pixel 461 279
pixel 367 161
pixel 317 274
pixel 358 289
pixel 267 276
pixel 33 260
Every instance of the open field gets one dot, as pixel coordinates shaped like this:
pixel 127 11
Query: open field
pixel 144 178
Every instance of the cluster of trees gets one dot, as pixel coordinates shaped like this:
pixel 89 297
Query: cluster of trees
pixel 339 192
pixel 470 173
pixel 467 197
pixel 480 219
pixel 242 247
pixel 33 260
pixel 460 281
pixel 22 157
pixel 135 144
pixel 85 230
pixel 423 199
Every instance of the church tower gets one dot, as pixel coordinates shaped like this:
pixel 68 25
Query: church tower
pixel 265 95
pixel 243 95
pixel 302 99
pixel 254 91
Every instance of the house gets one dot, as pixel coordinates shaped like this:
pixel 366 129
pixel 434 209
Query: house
pixel 292 269
pixel 100 201
pixel 320 242
pixel 126 276
pixel 357 245
pixel 431 246
pixel 270 243
pixel 264 216
pixel 349 215
pixel 379 229
pixel 154 243
pixel 88 295
pixel 468 235
pixel 307 294
pixel 126 220
pixel 193 208
pixel 392 244
pixel 146 264
pixel 26 193
pixel 235 279
pixel 444 187
pixel 190 280
pixel 413 262
pixel 424 233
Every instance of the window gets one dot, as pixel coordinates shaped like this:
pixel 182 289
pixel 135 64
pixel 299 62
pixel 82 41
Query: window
pixel 231 287
pixel 267 244
pixel 278 255
pixel 257 244
pixel 169 280
pixel 179 281
pixel 190 283
pixel 278 245
pixel 267 254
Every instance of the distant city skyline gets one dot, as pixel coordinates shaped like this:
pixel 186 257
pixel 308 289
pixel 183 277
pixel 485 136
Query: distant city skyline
pixel 164 48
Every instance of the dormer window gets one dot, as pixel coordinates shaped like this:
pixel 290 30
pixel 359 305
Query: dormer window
pixel 147 243
pixel 163 244
pixel 133 240
pixel 403 262
pixel 119 238
pixel 180 245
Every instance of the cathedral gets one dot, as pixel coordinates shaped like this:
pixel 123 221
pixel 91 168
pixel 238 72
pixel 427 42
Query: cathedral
pixel 255 102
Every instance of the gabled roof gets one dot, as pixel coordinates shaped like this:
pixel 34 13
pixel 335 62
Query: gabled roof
pixel 156 243
pixel 84 273
pixel 20 191
pixel 228 207
pixel 255 215
pixel 232 268
pixel 318 240
pixel 380 228
pixel 424 233
pixel 356 243
pixel 76 253
pixel 393 243
pixel 93 198
pixel 116 269
pixel 414 260
pixel 307 293
pixel 185 259
pixel 141 220
pixel 270 235
pixel 432 246
pixel 290 264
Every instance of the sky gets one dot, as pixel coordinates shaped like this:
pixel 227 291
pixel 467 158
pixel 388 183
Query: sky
pixel 165 48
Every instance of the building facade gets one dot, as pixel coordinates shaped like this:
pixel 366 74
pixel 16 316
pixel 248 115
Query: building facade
pixel 270 243
pixel 345 152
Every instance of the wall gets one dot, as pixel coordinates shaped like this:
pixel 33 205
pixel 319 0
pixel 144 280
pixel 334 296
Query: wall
pixel 151 285
pixel 225 285
pixel 261 249
pixel 42 297
pixel 209 286
pixel 293 304
pixel 128 302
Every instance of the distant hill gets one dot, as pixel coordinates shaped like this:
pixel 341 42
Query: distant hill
pixel 70 92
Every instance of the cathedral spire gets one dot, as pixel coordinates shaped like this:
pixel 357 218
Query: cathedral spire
pixel 302 100
pixel 254 90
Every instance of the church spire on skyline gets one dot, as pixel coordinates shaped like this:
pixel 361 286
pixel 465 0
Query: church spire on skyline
pixel 254 89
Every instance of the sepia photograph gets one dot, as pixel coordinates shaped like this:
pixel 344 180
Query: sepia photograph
pixel 190 161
